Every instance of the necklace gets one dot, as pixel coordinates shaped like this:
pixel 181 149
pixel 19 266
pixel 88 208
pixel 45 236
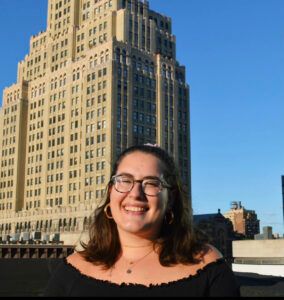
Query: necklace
pixel 132 263
pixel 130 246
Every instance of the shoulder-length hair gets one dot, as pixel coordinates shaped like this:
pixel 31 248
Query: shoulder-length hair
pixel 178 242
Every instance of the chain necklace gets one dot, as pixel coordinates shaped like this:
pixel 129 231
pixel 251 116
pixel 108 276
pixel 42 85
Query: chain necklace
pixel 132 263
pixel 131 246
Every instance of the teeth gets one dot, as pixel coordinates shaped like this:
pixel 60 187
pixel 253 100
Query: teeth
pixel 132 208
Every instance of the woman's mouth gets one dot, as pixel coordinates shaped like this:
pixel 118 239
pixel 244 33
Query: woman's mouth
pixel 138 209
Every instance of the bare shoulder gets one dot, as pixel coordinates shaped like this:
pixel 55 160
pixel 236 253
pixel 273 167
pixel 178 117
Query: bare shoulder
pixel 74 257
pixel 76 260
pixel 211 255
pixel 84 266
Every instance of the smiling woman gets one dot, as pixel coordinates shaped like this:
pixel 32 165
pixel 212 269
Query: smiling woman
pixel 142 242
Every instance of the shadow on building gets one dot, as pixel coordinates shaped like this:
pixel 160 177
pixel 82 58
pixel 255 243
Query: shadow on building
pixel 219 231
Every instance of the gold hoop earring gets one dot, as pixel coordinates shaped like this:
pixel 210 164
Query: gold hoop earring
pixel 109 216
pixel 170 217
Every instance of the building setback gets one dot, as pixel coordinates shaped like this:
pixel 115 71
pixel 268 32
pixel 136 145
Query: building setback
pixel 102 77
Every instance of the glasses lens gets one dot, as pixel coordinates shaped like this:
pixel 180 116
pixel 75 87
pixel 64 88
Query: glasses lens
pixel 123 184
pixel 152 187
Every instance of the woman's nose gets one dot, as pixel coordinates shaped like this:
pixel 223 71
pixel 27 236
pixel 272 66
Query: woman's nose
pixel 137 190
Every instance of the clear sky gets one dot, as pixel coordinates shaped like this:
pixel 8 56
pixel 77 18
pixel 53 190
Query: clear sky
pixel 233 51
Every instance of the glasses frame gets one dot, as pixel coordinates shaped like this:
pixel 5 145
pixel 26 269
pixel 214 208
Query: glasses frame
pixel 163 184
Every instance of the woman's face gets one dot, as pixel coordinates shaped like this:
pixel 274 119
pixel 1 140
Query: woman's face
pixel 133 211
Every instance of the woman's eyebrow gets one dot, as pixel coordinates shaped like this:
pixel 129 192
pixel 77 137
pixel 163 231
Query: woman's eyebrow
pixel 145 177
pixel 152 177
pixel 125 174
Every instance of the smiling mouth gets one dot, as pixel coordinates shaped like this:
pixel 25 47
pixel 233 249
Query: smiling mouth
pixel 135 209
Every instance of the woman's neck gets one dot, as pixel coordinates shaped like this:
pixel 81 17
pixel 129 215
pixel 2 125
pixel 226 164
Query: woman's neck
pixel 133 245
pixel 148 245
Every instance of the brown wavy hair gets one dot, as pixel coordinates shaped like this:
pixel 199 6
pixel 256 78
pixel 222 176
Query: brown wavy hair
pixel 178 242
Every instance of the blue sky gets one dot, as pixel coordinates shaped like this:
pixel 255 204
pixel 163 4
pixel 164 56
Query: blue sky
pixel 233 51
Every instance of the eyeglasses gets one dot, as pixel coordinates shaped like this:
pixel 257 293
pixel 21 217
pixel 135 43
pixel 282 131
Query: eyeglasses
pixel 151 186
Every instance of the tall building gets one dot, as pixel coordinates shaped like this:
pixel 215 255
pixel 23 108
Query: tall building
pixel 102 77
pixel 282 180
pixel 244 221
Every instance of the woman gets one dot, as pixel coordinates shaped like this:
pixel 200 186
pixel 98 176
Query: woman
pixel 141 241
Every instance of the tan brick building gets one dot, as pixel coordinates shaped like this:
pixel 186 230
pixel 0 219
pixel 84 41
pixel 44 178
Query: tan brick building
pixel 244 221
pixel 103 76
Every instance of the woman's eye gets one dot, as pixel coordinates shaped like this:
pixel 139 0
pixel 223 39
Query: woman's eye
pixel 152 183
pixel 125 180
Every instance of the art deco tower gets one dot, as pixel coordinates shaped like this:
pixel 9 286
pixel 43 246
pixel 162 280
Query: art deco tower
pixel 102 77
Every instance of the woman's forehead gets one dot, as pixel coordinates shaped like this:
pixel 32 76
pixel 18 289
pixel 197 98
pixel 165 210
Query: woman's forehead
pixel 141 161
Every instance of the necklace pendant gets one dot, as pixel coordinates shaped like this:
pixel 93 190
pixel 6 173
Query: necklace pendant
pixel 129 271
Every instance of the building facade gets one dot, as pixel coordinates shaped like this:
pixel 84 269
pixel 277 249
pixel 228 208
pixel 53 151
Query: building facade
pixel 244 221
pixel 264 257
pixel 102 77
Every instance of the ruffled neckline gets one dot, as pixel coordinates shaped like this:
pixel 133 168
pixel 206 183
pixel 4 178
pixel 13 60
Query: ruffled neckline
pixel 163 284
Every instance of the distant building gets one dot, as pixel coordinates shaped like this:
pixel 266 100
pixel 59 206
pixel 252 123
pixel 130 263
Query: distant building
pixel 219 231
pixel 266 235
pixel 244 221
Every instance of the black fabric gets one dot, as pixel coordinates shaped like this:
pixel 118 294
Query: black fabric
pixel 214 280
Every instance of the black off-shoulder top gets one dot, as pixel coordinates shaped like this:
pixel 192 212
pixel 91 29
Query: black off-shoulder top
pixel 216 279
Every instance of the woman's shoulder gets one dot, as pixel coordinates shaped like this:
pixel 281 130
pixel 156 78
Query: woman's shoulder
pixel 219 273
pixel 77 261
pixel 209 256
pixel 66 266
pixel 61 279
pixel 74 258
pixel 213 254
